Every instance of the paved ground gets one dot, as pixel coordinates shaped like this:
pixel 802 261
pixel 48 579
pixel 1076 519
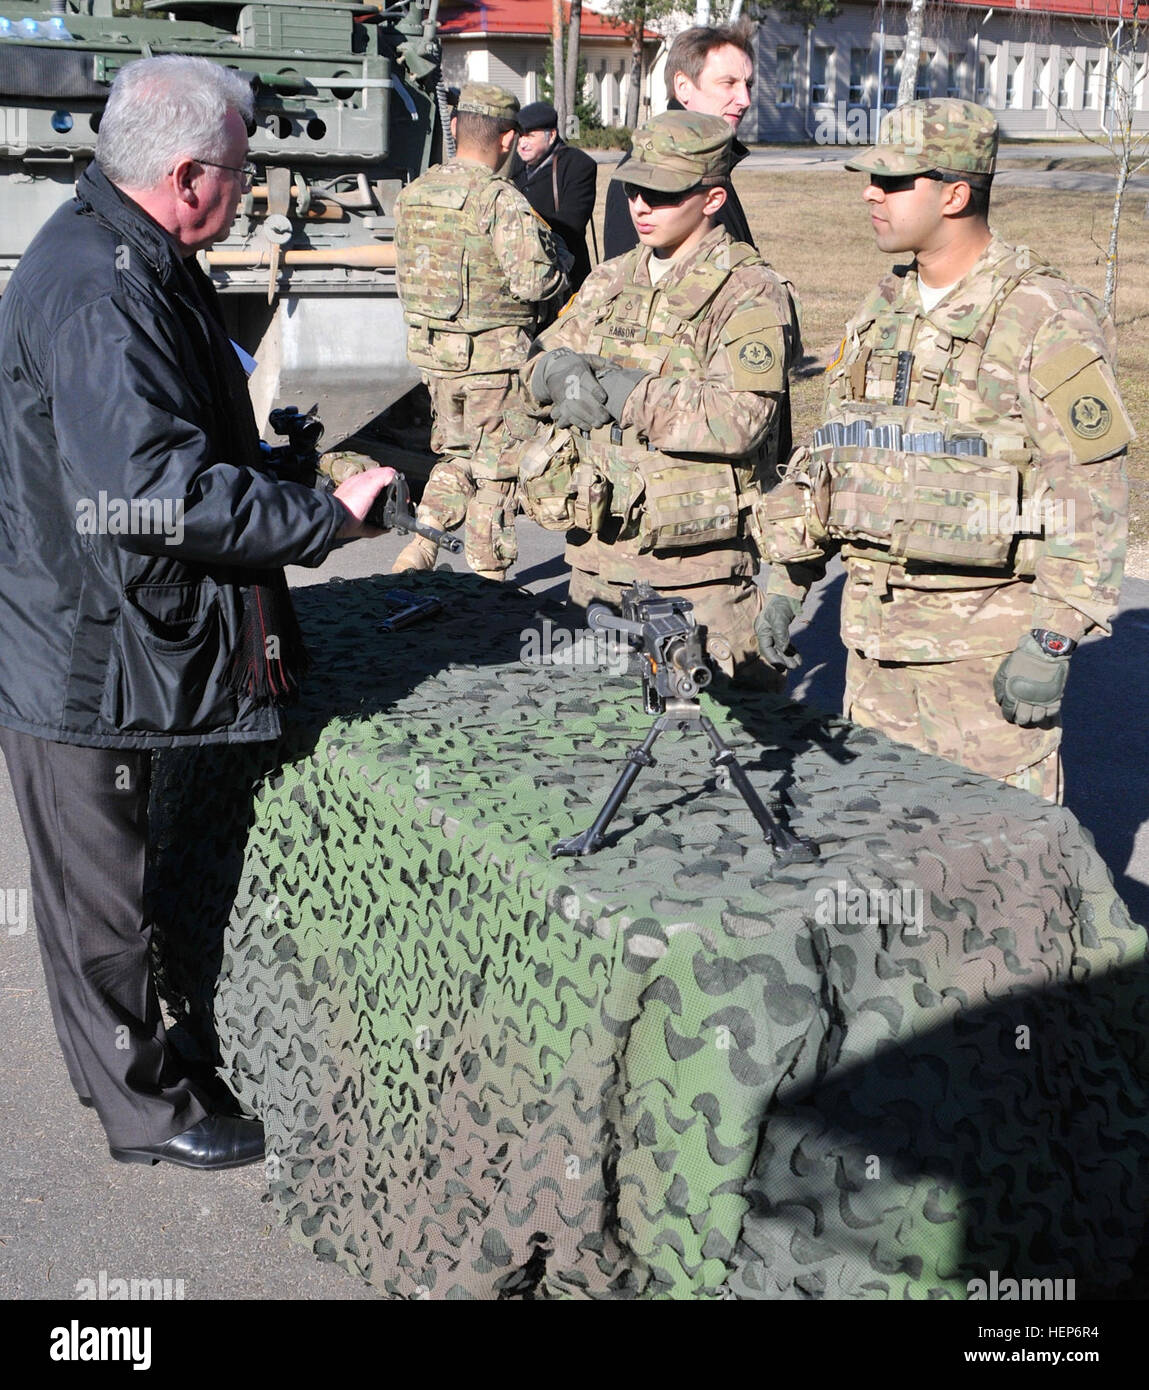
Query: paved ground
pixel 67 1212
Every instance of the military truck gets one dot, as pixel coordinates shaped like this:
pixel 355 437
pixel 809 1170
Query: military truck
pixel 348 107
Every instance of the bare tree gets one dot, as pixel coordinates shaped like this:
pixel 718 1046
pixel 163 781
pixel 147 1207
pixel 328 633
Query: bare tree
pixel 1125 43
pixel 912 52
pixel 560 86
pixel 572 92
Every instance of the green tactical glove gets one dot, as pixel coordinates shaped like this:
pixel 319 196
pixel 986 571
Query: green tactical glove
pixel 1029 683
pixel 618 383
pixel 772 629
pixel 565 380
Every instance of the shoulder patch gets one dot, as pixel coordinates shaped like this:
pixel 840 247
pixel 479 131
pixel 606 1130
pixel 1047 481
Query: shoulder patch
pixel 758 359
pixel 1089 412
pixel 756 355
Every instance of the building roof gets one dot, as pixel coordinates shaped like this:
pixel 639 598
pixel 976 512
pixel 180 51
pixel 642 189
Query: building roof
pixel 528 19
pixel 1097 10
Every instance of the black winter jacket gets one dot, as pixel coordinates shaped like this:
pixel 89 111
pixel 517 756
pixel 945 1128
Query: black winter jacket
pixel 572 175
pixel 618 234
pixel 123 408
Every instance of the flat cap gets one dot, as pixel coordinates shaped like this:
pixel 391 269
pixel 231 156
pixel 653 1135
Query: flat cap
pixel 678 150
pixel 538 115
pixel 943 133
pixel 485 99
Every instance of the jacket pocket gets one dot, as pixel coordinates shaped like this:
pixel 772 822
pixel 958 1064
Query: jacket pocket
pixel 167 660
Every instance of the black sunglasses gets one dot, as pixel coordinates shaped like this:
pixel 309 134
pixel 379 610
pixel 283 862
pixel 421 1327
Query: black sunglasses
pixel 655 198
pixel 898 183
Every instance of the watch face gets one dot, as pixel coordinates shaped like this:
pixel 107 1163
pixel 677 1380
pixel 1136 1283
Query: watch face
pixel 1053 643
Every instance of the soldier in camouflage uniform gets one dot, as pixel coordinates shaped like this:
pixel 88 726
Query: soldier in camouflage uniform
pixel 670 365
pixel 970 468
pixel 479 273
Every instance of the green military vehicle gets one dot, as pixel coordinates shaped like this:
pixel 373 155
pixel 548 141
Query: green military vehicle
pixel 348 103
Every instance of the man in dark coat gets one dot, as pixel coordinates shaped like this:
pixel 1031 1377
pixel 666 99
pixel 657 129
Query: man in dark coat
pixel 708 70
pixel 557 180
pixel 142 597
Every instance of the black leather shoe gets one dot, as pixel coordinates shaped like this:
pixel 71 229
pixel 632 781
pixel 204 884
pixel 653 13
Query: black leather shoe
pixel 87 1102
pixel 219 1141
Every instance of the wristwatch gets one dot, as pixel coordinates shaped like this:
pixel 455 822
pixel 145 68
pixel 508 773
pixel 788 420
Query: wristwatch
pixel 1052 643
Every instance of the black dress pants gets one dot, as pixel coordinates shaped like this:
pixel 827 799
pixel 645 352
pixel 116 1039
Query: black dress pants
pixel 84 813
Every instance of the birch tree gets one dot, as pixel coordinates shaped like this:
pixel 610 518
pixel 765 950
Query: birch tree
pixel 912 52
pixel 1125 44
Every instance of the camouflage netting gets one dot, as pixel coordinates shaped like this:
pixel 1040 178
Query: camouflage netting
pixel 677 1067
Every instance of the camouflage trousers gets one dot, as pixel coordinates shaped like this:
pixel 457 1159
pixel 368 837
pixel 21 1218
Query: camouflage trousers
pixel 727 607
pixel 475 479
pixel 948 708
pixel 454 494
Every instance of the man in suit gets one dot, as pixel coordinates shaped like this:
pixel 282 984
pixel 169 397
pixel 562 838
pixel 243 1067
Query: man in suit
pixel 558 181
pixel 157 616
pixel 708 70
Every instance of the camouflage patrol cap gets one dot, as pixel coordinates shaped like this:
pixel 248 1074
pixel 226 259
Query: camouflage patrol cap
pixel 678 150
pixel 952 136
pixel 485 99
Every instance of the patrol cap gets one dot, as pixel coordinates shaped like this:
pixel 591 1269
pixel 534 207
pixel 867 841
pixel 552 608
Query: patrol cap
pixel 485 99
pixel 678 150
pixel 954 137
pixel 538 115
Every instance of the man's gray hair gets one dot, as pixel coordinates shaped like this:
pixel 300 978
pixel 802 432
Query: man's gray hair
pixel 161 110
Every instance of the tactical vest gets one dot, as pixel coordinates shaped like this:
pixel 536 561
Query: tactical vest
pixel 450 281
pixel 951 487
pixel 612 483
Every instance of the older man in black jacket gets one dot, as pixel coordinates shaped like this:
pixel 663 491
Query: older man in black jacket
pixel 557 180
pixel 142 598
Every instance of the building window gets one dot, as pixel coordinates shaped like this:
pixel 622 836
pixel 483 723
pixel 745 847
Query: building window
pixel 1042 81
pixel 922 80
pixel 859 63
pixel 985 80
pixel 891 71
pixel 1092 100
pixel 953 88
pixel 784 60
pixel 1013 82
pixel 818 64
pixel 1063 85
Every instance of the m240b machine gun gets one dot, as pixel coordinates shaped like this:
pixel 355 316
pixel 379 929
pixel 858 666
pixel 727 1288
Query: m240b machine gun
pixel 674 671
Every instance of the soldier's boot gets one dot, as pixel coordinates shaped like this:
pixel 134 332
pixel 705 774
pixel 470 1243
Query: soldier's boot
pixel 418 554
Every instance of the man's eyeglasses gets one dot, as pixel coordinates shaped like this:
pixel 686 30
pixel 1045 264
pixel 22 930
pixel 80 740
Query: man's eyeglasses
pixel 246 172
pixel 655 198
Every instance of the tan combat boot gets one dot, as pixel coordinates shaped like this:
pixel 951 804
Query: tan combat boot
pixel 418 554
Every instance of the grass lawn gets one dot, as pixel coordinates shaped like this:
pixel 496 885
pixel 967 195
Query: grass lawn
pixel 813 227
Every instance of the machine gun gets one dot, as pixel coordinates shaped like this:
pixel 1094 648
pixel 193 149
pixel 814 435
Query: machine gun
pixel 297 461
pixel 674 670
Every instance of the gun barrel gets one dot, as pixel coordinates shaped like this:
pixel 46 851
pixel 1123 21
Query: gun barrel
pixel 443 538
